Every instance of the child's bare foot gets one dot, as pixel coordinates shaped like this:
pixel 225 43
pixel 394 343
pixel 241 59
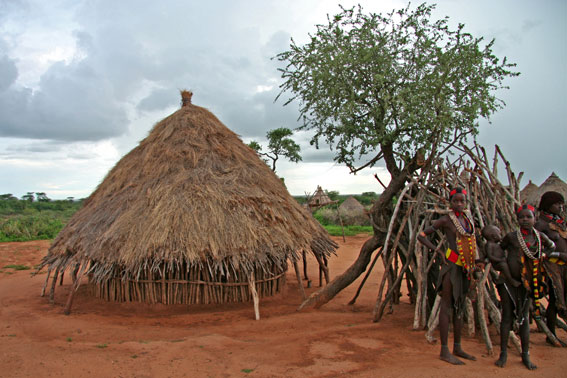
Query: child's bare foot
pixel 526 360
pixel 502 360
pixel 458 351
pixel 447 356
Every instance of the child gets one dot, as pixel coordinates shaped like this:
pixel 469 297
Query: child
pixel 527 248
pixel 455 275
pixel 496 255
pixel 552 223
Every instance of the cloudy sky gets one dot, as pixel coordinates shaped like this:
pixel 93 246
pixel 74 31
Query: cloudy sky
pixel 82 82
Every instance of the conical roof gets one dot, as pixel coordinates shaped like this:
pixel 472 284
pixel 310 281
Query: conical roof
pixel 552 183
pixel 320 198
pixel 351 206
pixel 527 192
pixel 190 193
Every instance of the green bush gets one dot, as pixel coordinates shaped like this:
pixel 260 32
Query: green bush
pixel 30 227
pixel 335 230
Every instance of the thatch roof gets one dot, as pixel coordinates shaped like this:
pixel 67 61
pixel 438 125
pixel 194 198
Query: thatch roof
pixel 552 183
pixel 351 206
pixel 191 193
pixel 320 198
pixel 527 192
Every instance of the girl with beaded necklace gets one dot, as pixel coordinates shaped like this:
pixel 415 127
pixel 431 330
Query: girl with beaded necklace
pixel 526 249
pixel 456 274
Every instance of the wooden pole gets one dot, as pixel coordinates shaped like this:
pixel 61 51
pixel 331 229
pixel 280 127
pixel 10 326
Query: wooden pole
pixel 299 282
pixel 252 286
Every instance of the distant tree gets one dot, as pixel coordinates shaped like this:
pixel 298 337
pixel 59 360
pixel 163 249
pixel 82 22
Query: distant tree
pixel 70 199
pixel 42 197
pixel 8 197
pixel 279 144
pixel 397 88
pixel 333 194
pixel 28 197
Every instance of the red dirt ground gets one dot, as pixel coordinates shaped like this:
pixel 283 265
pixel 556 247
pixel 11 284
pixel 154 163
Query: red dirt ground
pixel 102 339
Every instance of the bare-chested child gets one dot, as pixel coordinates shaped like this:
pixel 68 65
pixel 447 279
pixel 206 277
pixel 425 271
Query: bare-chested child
pixel 456 274
pixel 496 254
pixel 527 248
pixel 552 223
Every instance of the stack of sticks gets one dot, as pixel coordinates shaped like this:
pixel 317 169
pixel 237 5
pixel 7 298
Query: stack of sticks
pixel 425 199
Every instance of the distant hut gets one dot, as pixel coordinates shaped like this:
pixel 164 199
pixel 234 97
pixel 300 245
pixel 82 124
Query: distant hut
pixel 320 199
pixel 352 212
pixel 552 183
pixel 527 192
pixel 191 215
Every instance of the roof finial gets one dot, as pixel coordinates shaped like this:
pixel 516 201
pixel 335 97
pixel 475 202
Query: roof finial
pixel 185 97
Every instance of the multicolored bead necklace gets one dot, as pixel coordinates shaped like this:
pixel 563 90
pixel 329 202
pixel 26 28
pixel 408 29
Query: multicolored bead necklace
pixel 466 241
pixel 535 257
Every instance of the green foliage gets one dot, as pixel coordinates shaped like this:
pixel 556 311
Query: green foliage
pixel 393 86
pixel 23 220
pixel 279 144
pixel 336 230
pixel 17 267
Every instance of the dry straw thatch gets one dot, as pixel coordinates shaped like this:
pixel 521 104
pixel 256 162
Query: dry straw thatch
pixel 188 216
pixel 320 199
pixel 528 191
pixel 352 212
pixel 552 183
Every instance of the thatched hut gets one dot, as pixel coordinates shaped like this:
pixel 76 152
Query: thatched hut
pixel 191 215
pixel 552 183
pixel 527 192
pixel 320 199
pixel 352 212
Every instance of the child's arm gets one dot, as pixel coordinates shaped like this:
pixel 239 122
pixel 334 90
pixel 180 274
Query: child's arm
pixel 423 236
pixel 558 257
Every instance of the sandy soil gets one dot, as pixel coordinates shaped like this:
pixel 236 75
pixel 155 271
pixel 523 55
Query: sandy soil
pixel 102 339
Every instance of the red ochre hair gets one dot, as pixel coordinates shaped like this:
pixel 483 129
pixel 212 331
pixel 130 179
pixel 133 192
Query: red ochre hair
pixel 524 207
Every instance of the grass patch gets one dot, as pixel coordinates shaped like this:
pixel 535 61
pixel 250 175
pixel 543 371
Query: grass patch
pixel 144 341
pixel 247 370
pixel 134 356
pixel 336 230
pixel 177 341
pixel 17 267
pixel 69 339
pixel 102 346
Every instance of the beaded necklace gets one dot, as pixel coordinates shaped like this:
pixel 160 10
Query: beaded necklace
pixel 535 257
pixel 466 241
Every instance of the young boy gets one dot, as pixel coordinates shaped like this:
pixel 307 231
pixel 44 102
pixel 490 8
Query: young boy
pixel 552 223
pixel 527 248
pixel 455 275
pixel 496 255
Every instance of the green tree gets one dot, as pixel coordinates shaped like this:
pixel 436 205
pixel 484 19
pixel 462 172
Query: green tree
pixel 398 88
pixel 28 197
pixel 279 144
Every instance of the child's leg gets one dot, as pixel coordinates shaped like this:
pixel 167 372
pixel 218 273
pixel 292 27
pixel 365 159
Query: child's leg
pixel 444 311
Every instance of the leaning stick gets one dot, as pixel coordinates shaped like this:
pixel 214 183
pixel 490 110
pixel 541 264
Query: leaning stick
pixel 353 300
pixel 46 282
pixel 252 286
pixel 550 336
pixel 299 282
pixel 433 320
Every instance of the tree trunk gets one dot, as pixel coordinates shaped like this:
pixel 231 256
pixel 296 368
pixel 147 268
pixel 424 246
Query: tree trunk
pixel 381 213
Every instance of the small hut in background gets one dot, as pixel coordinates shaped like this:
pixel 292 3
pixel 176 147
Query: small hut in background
pixel 320 199
pixel 353 213
pixel 552 183
pixel 191 215
pixel 527 192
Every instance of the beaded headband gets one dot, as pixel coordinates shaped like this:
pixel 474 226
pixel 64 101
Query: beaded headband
pixel 457 190
pixel 524 207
